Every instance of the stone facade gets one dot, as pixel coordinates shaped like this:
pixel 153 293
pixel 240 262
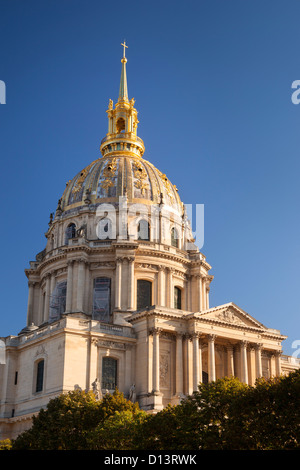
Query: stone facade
pixel 121 294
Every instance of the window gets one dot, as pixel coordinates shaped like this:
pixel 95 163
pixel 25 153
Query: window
pixel 144 294
pixel 101 299
pixel 177 298
pixel 58 301
pixel 70 232
pixel 120 125
pixel 174 238
pixel 204 377
pixel 40 376
pixel 143 230
pixel 109 373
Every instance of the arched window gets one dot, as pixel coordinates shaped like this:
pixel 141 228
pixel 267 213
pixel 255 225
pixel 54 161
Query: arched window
pixel 70 233
pixel 120 125
pixel 177 297
pixel 174 237
pixel 144 294
pixel 143 230
pixel 109 373
pixel 101 299
pixel 58 301
pixel 39 376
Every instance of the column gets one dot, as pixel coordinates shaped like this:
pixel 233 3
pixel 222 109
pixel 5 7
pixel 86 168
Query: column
pixel 203 293
pixel 272 365
pixel 179 365
pixel 230 361
pixel 47 298
pixel 196 371
pixel 128 373
pixel 40 313
pixel 155 379
pixel 87 283
pixel 258 349
pixel 278 363
pixel 30 302
pixel 51 292
pixel 150 361
pixel 207 298
pixel 161 286
pixel 170 285
pixel 92 369
pixel 80 284
pixel 130 283
pixel 189 293
pixel 200 361
pixel 244 365
pixel 211 358
pixel 69 287
pixel 199 286
pixel 118 283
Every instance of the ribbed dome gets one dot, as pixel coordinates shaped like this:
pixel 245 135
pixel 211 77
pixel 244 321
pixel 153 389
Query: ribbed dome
pixel 108 178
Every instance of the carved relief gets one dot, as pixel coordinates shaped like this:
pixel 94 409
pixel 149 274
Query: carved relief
pixel 229 317
pixel 141 180
pixel 111 345
pixel 164 369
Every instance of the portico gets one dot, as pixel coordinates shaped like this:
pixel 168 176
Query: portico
pixel 184 349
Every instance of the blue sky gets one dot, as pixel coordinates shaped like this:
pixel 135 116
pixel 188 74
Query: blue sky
pixel 212 84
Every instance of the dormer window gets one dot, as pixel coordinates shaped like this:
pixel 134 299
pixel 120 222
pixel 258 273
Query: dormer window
pixel 70 232
pixel 174 238
pixel 143 230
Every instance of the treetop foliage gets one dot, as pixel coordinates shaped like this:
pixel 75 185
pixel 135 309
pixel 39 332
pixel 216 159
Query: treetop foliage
pixel 224 415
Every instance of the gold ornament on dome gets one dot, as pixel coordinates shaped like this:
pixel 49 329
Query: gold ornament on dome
pixel 109 174
pixel 78 184
pixel 167 184
pixel 141 182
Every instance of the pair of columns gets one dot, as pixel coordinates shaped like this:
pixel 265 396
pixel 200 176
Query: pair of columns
pixel 130 282
pixel 154 373
pixel 79 288
pixel 203 293
pixel 82 267
pixel 165 287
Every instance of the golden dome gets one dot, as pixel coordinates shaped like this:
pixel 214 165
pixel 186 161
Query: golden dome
pixel 108 178
pixel 121 171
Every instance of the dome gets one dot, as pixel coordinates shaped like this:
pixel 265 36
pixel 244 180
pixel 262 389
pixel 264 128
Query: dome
pixel 109 177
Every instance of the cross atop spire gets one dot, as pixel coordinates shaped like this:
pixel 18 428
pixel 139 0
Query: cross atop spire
pixel 124 45
pixel 123 92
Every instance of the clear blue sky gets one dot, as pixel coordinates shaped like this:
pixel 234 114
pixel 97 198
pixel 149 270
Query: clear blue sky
pixel 212 83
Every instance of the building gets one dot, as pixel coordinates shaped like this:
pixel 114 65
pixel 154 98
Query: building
pixel 120 295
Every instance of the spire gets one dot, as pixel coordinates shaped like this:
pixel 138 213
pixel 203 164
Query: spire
pixel 121 138
pixel 123 92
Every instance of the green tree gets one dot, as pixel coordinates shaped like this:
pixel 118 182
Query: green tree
pixel 69 418
pixel 119 431
pixel 268 416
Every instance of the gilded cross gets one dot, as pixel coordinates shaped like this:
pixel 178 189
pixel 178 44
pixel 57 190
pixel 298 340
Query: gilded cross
pixel 124 45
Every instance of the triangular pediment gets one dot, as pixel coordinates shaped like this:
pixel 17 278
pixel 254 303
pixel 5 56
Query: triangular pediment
pixel 231 314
